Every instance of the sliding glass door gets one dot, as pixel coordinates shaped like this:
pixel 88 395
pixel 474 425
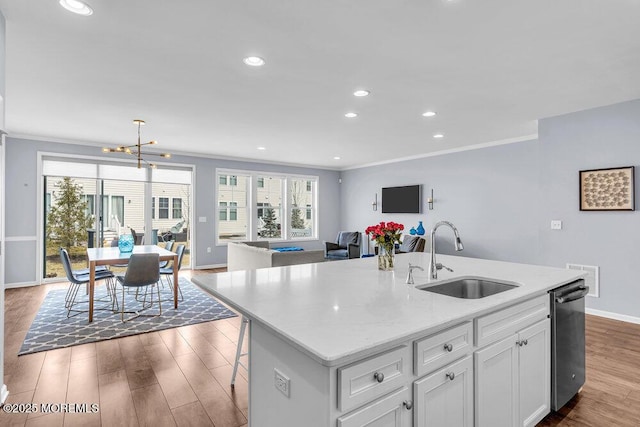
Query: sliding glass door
pixel 85 206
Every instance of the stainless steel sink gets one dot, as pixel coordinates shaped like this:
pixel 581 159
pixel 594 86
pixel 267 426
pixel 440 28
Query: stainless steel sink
pixel 468 287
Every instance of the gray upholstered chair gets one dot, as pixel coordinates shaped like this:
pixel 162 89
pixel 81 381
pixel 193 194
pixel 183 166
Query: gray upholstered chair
pixel 411 244
pixel 142 272
pixel 346 246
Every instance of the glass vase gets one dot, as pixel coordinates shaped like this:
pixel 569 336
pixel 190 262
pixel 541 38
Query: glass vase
pixel 125 243
pixel 386 257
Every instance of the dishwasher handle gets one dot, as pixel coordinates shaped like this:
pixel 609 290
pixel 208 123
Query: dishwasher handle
pixel 572 296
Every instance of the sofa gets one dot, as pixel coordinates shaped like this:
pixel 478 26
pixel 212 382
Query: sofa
pixel 258 254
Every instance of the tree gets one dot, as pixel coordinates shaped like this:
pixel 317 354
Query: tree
pixel 297 221
pixel 67 221
pixel 270 228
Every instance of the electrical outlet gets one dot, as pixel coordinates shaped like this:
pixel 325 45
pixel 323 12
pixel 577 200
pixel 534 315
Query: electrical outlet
pixel 209 250
pixel 556 224
pixel 202 219
pixel 282 382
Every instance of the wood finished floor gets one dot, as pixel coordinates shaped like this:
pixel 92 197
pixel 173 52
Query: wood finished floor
pixel 173 377
pixel 181 376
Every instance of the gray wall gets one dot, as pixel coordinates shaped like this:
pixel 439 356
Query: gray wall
pixel 489 194
pixel 22 215
pixel 599 138
pixel 503 198
pixel 3 54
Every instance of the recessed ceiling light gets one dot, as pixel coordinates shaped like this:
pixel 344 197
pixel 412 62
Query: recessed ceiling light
pixel 351 115
pixel 262 148
pixel 336 158
pixel 77 6
pixel 254 61
pixel 361 92
pixel 438 135
pixel 429 113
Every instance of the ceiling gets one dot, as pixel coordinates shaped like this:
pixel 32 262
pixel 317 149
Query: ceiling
pixel 490 69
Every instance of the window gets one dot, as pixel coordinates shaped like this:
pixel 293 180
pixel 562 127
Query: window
pixel 261 206
pixel 177 208
pixel 233 211
pixel 223 211
pixel 153 208
pixel 163 207
pixel 301 203
pixel 89 199
pixel 117 206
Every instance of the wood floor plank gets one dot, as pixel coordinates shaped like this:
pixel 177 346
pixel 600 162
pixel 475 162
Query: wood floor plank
pixel 49 420
pixel 83 351
pixel 151 407
pixel 53 380
pixel 109 356
pixel 136 363
pixel 18 418
pixel 174 385
pixel 25 373
pixel 240 393
pixel 116 403
pixel 175 342
pixel 192 415
pixel 219 406
pixel 83 388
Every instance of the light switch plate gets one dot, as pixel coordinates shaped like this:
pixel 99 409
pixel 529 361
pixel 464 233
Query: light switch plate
pixel 202 219
pixel 556 224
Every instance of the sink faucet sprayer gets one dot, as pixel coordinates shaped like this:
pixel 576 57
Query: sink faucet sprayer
pixel 433 266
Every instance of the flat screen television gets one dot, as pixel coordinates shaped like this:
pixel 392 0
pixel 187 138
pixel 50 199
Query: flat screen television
pixel 401 199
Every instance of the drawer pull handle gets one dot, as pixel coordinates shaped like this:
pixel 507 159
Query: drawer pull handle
pixel 378 376
pixel 526 342
pixel 451 375
pixel 408 404
pixel 448 347
pixel 522 342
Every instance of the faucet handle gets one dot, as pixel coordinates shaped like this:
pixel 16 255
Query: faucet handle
pixel 439 266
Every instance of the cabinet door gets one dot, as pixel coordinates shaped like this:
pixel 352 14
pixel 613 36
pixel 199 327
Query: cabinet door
pixel 445 398
pixel 535 373
pixel 392 410
pixel 496 384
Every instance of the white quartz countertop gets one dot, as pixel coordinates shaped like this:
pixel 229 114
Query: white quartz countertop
pixel 340 311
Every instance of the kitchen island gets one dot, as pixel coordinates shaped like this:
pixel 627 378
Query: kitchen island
pixel 348 344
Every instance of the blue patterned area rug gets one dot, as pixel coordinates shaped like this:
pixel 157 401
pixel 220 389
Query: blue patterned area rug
pixel 52 329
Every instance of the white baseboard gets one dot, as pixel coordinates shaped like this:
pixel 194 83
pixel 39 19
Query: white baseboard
pixel 4 393
pixel 614 316
pixel 19 285
pixel 206 267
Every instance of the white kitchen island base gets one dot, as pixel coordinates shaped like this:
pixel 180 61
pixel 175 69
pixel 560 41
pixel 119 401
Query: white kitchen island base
pixel 342 344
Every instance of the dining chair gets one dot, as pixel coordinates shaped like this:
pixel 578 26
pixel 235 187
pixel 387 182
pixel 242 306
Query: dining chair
pixel 142 272
pixel 168 246
pixel 168 271
pixel 77 278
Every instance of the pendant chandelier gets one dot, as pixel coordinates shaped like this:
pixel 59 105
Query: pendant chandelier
pixel 136 149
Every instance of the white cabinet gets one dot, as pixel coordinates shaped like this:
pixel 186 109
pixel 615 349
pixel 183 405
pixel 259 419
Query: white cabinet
pixel 445 398
pixel 392 410
pixel 512 379
pixel 534 376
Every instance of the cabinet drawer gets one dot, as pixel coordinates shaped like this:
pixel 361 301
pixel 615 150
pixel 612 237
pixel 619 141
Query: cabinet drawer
pixel 503 323
pixel 438 350
pixel 364 381
pixel 390 411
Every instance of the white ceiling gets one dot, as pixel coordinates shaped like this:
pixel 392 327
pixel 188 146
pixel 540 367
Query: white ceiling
pixel 490 69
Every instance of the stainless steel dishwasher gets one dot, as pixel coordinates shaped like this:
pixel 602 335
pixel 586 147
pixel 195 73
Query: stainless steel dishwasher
pixel 567 342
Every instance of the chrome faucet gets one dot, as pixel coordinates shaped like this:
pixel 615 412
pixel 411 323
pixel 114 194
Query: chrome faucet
pixel 410 275
pixel 433 266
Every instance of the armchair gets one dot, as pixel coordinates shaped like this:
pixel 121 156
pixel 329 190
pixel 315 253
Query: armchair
pixel 411 244
pixel 346 246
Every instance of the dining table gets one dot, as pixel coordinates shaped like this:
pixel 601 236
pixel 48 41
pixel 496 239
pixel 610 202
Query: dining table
pixel 113 256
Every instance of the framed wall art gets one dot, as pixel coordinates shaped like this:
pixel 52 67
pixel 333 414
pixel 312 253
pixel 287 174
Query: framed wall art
pixel 607 189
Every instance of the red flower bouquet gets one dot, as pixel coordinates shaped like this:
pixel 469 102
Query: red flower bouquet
pixel 386 235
